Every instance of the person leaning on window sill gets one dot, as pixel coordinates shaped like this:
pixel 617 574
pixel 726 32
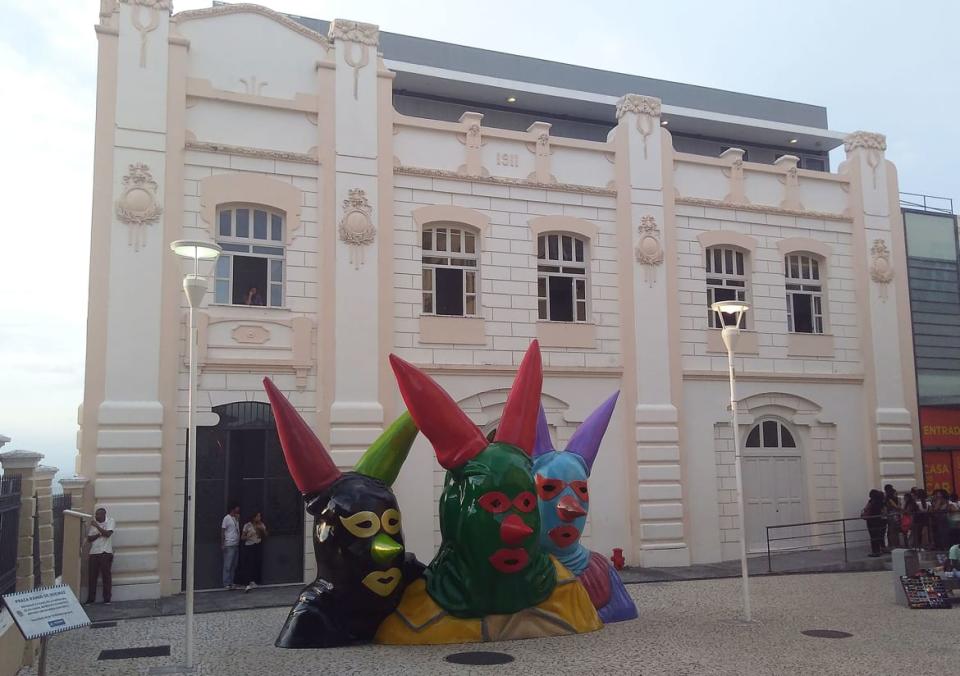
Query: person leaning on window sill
pixel 254 297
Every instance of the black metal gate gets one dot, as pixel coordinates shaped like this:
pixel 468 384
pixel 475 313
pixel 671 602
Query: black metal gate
pixel 9 532
pixel 60 502
pixel 240 460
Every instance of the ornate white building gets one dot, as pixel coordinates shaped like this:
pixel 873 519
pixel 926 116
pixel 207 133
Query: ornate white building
pixel 379 193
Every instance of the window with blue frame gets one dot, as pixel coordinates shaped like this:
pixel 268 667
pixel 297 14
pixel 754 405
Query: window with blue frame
pixel 250 270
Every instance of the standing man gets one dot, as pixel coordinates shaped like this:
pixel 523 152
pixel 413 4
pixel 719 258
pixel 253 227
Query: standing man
pixel 100 561
pixel 230 545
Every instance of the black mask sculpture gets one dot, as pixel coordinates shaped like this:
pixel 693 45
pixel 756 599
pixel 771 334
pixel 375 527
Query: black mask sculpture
pixel 362 567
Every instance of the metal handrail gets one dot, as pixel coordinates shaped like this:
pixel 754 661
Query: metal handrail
pixel 845 539
pixel 921 202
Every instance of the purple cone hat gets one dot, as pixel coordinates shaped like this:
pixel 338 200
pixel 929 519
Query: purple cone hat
pixel 585 442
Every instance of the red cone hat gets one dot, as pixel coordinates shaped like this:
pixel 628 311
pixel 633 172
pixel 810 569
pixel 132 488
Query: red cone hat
pixel 454 437
pixel 310 465
pixel 518 425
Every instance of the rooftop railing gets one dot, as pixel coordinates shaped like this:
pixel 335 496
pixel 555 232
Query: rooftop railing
pixel 930 203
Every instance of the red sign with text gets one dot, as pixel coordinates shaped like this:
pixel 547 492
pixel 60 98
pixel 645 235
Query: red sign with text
pixel 938 470
pixel 939 427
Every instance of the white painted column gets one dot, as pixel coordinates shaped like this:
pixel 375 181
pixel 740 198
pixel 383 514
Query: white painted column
pixel 128 435
pixel 884 276
pixel 662 537
pixel 356 415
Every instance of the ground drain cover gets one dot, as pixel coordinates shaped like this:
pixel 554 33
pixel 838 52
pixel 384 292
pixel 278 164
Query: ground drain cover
pixel 826 633
pixel 102 625
pixel 130 653
pixel 480 657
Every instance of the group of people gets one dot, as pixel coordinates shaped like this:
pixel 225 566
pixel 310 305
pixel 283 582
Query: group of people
pixel 242 549
pixel 911 520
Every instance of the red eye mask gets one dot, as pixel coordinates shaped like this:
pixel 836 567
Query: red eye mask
pixel 496 502
pixel 548 488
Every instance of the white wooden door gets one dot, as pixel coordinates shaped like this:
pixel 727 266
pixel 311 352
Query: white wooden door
pixel 773 496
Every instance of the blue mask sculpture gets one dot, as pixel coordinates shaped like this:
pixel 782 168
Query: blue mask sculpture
pixel 564 499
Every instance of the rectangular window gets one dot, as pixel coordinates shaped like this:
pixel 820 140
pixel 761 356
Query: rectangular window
pixel 250 271
pixel 804 294
pixel 449 277
pixel 561 278
pixel 726 280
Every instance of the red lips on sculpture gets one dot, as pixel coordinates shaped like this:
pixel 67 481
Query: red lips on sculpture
pixel 509 560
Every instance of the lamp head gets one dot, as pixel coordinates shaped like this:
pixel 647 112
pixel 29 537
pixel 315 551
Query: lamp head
pixel 195 250
pixel 730 313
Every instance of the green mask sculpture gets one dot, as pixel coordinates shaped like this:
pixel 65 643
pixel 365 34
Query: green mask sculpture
pixel 490 560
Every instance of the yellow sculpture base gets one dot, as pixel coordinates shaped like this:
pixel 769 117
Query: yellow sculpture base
pixel 418 620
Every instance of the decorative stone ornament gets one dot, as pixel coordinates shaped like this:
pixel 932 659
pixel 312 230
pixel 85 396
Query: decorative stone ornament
pixel 649 250
pixel 153 7
pixel 873 144
pixel 366 35
pixel 881 269
pixel 255 335
pixel 152 4
pixel 356 225
pixel 138 205
pixel 646 108
pixel 790 181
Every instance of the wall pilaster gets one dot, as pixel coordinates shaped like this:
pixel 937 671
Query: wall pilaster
pixel 24 464
pixel 356 414
pixel 130 185
pixel 43 485
pixel 660 533
pixel 880 259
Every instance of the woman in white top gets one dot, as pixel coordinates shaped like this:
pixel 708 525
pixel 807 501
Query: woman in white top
pixel 251 551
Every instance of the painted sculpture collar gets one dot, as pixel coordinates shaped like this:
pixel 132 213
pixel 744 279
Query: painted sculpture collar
pixel 490 559
pixel 561 480
pixel 357 535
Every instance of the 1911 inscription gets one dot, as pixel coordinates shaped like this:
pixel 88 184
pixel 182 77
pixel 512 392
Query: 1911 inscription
pixel 508 160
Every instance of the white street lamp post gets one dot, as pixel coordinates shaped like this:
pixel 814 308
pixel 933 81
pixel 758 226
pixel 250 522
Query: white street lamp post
pixel 194 286
pixel 730 314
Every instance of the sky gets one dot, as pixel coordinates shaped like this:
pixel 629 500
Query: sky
pixel 878 65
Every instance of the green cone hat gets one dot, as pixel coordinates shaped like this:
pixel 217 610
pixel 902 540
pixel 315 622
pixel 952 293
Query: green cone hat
pixel 385 456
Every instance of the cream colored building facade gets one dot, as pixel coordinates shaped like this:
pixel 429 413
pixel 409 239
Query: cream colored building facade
pixel 453 243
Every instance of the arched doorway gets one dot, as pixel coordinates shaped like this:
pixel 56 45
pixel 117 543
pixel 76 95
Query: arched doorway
pixel 773 493
pixel 240 460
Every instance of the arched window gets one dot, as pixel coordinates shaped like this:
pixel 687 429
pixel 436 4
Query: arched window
pixel 802 272
pixel 450 261
pixel 562 277
pixel 250 269
pixel 727 277
pixel 770 434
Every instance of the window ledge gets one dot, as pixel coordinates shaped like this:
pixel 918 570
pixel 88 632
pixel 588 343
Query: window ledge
pixel 747 344
pixel 452 330
pixel 566 334
pixel 268 308
pixel 810 345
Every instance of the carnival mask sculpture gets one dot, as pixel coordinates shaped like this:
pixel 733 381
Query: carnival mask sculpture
pixel 564 499
pixel 491 579
pixel 362 568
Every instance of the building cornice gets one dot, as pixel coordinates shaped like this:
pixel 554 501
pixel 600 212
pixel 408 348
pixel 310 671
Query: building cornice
pixel 247 151
pixel 762 208
pixel 249 8
pixel 499 180
pixel 766 376
pixel 492 369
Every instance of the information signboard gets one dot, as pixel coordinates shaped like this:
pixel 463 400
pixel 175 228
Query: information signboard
pixel 45 611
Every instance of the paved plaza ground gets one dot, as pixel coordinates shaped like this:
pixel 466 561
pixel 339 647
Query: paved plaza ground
pixel 684 628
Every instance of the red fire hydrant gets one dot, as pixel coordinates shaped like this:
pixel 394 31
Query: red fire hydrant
pixel 617 558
